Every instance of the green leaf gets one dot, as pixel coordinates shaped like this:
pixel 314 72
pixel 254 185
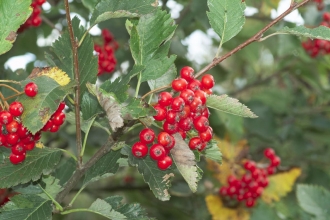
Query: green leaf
pixel 150 44
pixel 320 32
pixel 90 4
pixel 164 80
pixel 51 185
pixel 229 105
pixel 120 86
pixel 135 109
pixel 13 14
pixel 37 162
pixel 61 55
pixel 158 180
pixel 65 170
pixel 212 151
pixel 104 167
pixel 314 200
pixel 27 207
pixel 185 161
pixel 226 17
pixel 41 107
pixel 105 9
pixel 89 106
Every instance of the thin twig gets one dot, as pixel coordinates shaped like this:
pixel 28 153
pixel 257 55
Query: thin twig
pixel 74 45
pixel 4 101
pixel 50 24
pixel 9 87
pixel 13 96
pixel 254 38
pixel 155 90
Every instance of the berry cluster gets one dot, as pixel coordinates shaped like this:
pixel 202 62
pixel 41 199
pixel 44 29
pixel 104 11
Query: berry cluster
pixel 180 114
pixel 253 182
pixel 34 19
pixel 17 137
pixel 320 4
pixel 318 46
pixel 106 53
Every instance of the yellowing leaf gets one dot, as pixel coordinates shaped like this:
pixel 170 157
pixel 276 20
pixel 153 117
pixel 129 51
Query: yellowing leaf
pixel 230 161
pixel 52 72
pixel 280 185
pixel 39 145
pixel 220 212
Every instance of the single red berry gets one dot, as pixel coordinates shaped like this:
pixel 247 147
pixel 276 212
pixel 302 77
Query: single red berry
pixel 187 95
pixel 12 138
pixel 31 89
pixel 195 143
pixel 28 139
pixel 247 195
pixel 208 91
pixel 161 113
pixel 223 191
pixel 170 128
pixel 201 95
pixel 275 161
pixel 231 180
pixel 172 117
pixel 157 152
pixel 179 84
pixel 169 147
pixel 185 112
pixel 164 99
pixel 206 113
pixel 3 139
pixel 183 134
pixel 232 190
pixel 18 149
pixel 54 128
pixel 139 150
pixel 36 11
pixel 269 153
pixel 40 2
pixel 16 109
pixel 250 202
pixel 194 85
pixel 5 117
pixel 246 178
pixel 177 104
pixel 206 136
pixel 58 118
pixel 271 170
pixel 326 16
pixel 165 163
pixel 37 136
pixel 36 21
pixel 16 159
pixel 61 106
pixel 263 182
pixel 12 127
pixel 48 125
pixel 164 138
pixel 250 165
pixel 186 124
pixel 29 145
pixel 207 81
pixel 201 123
pixel 253 186
pixel 147 136
pixel 255 173
pixel 187 73
pixel 196 105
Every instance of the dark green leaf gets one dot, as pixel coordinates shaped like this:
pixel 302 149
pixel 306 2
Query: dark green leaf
pixel 90 4
pixel 226 17
pixel 105 9
pixel 164 80
pixel 65 170
pixel 89 106
pixel 314 200
pixel 158 180
pixel 51 185
pixel 27 207
pixel 13 14
pixel 135 109
pixel 37 162
pixel 212 151
pixel 41 107
pixel 229 105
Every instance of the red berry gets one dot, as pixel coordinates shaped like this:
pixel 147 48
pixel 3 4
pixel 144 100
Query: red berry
pixel 255 173
pixel 5 117
pixel 165 163
pixel 161 113
pixel 164 138
pixel 157 152
pixel 37 136
pixel 201 95
pixel 263 182
pixel 250 202
pixel 172 117
pixel 275 161
pixel 170 128
pixel 271 170
pixel 187 73
pixel 202 147
pixel 18 149
pixel 12 138
pixel 3 139
pixel 206 136
pixel 147 136
pixel 61 106
pixel 196 105
pixel 29 145
pixel 206 113
pixel 179 84
pixel 16 159
pixel 58 118
pixel 194 85
pixel 183 134
pixel 139 150
pixel 177 104
pixel 40 2
pixel 16 109
pixel 326 16
pixel 231 180
pixel 223 191
pixel 246 178
pixel 250 165
pixel 195 143
pixel 187 95
pixel 201 123
pixel 31 89
pixel 164 99
pixel 185 112
pixel 54 128
pixel 207 81
pixel 269 153
pixel 12 127
pixel 186 124
pixel 208 91
pixel 253 186
pixel 232 190
pixel 36 21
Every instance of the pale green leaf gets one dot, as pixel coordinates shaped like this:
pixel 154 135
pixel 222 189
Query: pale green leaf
pixel 51 185
pixel 212 151
pixel 90 4
pixel 135 109
pixel 320 32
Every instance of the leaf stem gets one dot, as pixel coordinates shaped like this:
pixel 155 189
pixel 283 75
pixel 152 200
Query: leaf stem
pixel 70 154
pixel 13 96
pixel 271 35
pixel 77 210
pixel 57 205
pixel 86 136
pixel 9 87
pixel 74 45
pixel 4 101
pixel 76 196
pixel 9 81
pixel 138 85
pixel 156 90
pixel 254 38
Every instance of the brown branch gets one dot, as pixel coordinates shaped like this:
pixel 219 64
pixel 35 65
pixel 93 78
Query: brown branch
pixel 254 38
pixel 74 45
